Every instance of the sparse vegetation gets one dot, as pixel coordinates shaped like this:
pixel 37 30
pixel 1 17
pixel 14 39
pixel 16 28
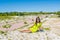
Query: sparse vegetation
pixel 26 13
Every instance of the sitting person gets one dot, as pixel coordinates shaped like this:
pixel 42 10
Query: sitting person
pixel 35 27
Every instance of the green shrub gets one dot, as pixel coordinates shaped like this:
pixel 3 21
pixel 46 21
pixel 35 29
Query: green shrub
pixel 25 22
pixel 6 26
pixel 59 16
pixel 47 28
pixel 1 32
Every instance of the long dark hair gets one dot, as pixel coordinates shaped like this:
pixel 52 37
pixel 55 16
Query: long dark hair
pixel 38 20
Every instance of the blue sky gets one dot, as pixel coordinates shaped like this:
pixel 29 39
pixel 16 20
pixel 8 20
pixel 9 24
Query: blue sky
pixel 29 5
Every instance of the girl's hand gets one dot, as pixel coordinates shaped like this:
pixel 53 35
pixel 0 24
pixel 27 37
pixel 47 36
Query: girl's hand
pixel 40 28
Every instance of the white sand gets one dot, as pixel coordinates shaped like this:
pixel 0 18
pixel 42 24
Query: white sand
pixel 53 34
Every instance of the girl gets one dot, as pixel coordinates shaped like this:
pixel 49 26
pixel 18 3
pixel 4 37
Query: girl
pixel 35 27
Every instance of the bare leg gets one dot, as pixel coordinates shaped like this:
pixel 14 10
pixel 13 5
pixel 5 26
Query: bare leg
pixel 26 31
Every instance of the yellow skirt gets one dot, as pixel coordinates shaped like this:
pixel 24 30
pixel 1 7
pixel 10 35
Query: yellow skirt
pixel 35 27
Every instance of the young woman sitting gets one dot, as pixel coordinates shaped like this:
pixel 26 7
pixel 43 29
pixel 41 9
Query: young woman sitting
pixel 35 27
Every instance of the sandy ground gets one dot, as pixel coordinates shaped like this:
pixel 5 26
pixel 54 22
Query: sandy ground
pixel 52 34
